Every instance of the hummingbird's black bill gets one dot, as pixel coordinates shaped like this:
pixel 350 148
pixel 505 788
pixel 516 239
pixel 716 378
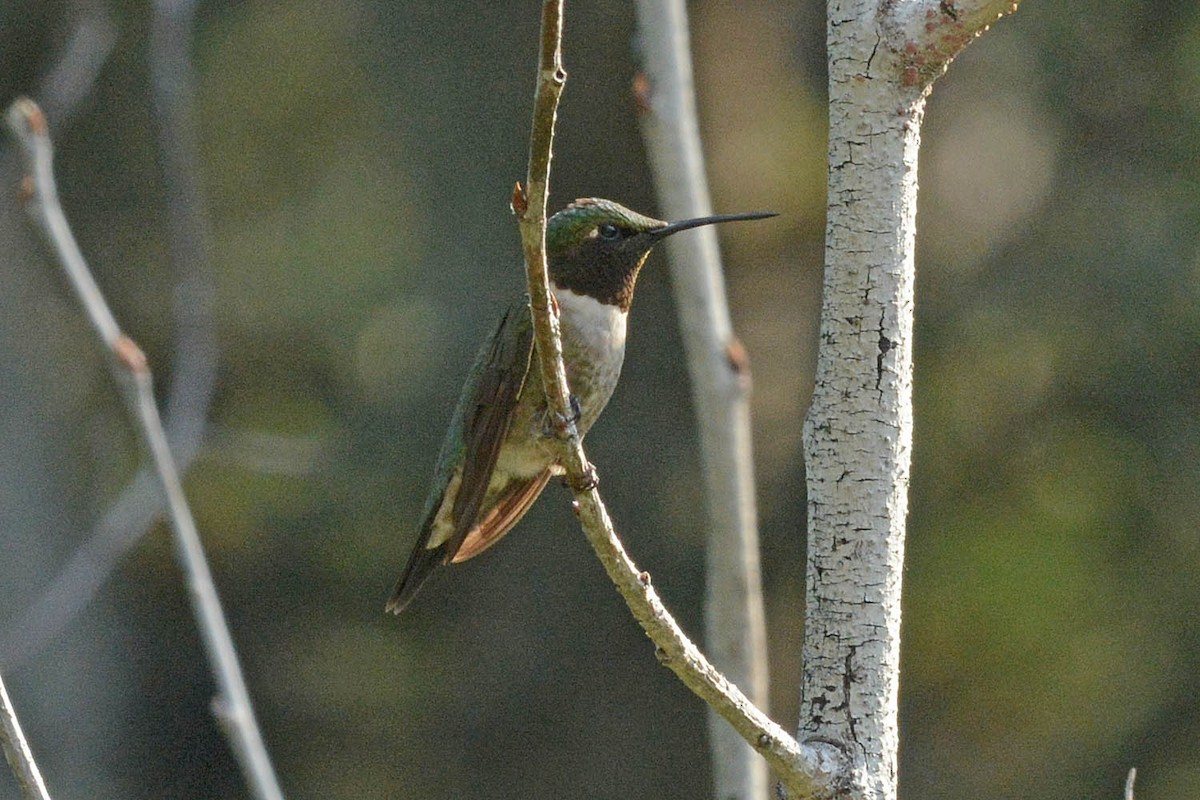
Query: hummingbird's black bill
pixel 683 225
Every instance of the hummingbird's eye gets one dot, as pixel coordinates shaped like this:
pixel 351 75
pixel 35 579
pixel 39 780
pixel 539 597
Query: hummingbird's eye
pixel 608 231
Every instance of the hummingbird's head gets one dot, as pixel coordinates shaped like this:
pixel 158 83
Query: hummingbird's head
pixel 596 247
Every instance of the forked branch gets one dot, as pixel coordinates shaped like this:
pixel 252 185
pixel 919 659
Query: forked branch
pixel 132 372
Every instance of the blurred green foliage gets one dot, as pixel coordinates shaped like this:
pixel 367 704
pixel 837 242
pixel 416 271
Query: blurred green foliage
pixel 357 159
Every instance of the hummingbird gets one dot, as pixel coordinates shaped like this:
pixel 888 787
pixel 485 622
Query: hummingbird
pixel 499 452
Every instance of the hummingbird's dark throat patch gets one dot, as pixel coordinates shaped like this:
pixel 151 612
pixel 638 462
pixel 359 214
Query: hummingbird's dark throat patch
pixel 605 275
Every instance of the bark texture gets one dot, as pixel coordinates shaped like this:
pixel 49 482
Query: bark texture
pixel 883 57
pixel 858 432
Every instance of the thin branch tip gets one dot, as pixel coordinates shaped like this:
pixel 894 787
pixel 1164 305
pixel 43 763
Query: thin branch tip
pixel 25 117
pixel 519 203
pixel 131 368
pixel 643 97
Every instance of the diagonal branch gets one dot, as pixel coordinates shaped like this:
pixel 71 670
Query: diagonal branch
pixel 132 372
pixel 193 374
pixel 805 770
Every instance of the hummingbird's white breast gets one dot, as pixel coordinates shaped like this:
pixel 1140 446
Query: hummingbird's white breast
pixel 600 325
pixel 593 336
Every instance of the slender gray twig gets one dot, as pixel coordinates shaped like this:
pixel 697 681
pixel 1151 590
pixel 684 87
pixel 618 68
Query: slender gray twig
pixel 735 625
pixel 64 86
pixel 16 750
pixel 129 364
pixel 74 586
pixel 193 374
pixel 173 81
pixel 802 768
pixel 1129 779
pixel 92 38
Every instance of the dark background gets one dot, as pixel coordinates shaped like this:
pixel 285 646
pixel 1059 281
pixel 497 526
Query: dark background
pixel 357 158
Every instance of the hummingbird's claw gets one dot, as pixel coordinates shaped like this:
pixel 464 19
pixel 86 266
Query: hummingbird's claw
pixel 556 424
pixel 588 481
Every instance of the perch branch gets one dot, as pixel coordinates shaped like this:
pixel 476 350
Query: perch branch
pixel 803 769
pixel 129 365
pixel 16 750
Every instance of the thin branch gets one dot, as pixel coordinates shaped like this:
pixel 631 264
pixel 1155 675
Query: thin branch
pixel 129 364
pixel 1129 779
pixel 16 750
pixel 803 769
pixel 74 586
pixel 93 37
pixel 529 203
pixel 735 626
pixel 193 374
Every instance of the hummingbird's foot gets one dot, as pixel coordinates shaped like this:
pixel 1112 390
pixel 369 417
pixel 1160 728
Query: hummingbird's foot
pixel 557 424
pixel 588 481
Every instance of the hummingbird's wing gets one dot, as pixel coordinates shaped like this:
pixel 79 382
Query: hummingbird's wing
pixel 507 511
pixel 488 415
pixel 477 431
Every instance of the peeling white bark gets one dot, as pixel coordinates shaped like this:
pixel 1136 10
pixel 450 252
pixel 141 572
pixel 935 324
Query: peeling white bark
pixel 858 432
pixel 883 57
pixel 929 33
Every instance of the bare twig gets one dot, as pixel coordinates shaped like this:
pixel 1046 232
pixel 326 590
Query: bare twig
pixel 804 769
pixel 62 88
pixel 735 628
pixel 1129 779
pixel 16 750
pixel 530 205
pixel 195 368
pixel 133 374
pixel 193 375
pixel 92 38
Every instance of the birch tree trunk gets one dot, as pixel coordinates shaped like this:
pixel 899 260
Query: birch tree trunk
pixel 883 56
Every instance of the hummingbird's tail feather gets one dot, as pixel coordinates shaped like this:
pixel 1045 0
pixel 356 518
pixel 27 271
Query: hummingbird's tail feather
pixel 420 565
pixel 507 511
